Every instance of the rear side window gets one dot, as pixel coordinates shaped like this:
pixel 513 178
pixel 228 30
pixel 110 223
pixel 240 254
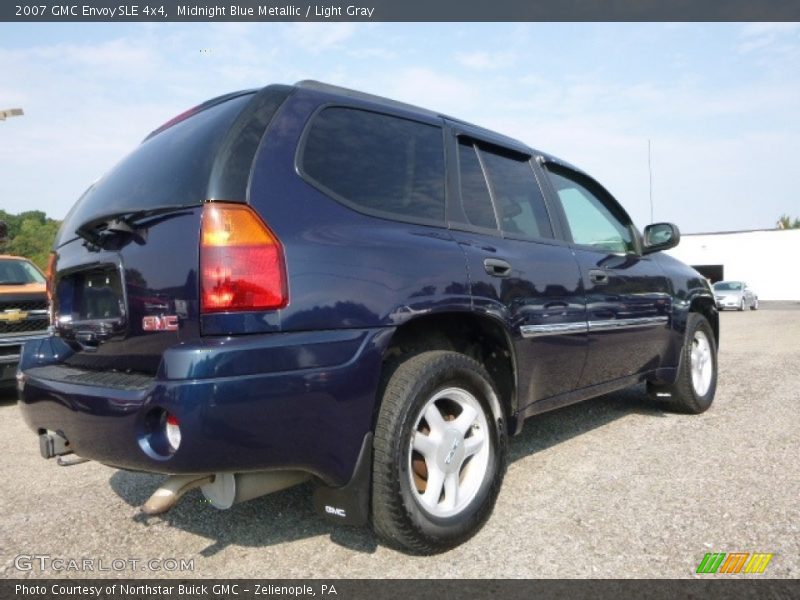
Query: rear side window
pixel 377 163
pixel 498 185
pixel 517 196
pixel 475 198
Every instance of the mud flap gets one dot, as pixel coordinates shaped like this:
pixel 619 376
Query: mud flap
pixel 349 504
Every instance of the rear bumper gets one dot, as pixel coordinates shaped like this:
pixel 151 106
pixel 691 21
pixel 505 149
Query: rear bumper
pixel 278 401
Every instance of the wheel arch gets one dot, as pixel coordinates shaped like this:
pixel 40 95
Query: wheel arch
pixel 481 337
pixel 706 306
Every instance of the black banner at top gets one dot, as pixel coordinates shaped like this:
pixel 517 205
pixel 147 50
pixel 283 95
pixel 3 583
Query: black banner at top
pixel 397 10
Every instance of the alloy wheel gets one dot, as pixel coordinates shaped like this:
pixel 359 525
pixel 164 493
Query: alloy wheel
pixel 449 452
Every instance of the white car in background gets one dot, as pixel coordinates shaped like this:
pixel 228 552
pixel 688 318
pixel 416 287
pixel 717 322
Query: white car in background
pixel 735 294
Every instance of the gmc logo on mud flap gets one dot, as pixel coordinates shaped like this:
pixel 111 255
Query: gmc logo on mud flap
pixel 336 512
pixel 160 323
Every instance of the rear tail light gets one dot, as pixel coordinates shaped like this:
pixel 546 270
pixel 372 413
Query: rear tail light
pixel 173 431
pixel 241 261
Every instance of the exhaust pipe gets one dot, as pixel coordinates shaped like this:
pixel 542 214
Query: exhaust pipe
pixel 228 489
pixel 171 491
pixel 222 490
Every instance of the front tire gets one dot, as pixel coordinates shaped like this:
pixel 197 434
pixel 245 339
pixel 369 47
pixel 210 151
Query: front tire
pixel 439 453
pixel 696 383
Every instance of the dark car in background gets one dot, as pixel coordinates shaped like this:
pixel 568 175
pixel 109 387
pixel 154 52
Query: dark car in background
pixel 310 282
pixel 23 311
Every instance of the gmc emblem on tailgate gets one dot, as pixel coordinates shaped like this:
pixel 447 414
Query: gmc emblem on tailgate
pixel 160 323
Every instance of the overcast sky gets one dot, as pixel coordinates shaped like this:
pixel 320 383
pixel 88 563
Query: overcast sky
pixel 719 102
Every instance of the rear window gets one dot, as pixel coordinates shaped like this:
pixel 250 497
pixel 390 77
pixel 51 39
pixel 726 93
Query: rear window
pixel 378 164
pixel 171 169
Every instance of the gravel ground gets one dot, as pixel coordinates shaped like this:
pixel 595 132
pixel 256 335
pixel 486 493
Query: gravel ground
pixel 612 487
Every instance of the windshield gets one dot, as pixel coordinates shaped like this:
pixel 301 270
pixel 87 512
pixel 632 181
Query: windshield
pixel 728 286
pixel 18 272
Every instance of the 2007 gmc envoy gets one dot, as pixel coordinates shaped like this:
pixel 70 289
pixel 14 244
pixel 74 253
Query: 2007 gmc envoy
pixel 307 282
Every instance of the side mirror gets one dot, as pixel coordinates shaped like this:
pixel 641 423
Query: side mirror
pixel 660 236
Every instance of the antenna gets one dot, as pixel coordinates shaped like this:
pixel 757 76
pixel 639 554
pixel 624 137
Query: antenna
pixel 650 172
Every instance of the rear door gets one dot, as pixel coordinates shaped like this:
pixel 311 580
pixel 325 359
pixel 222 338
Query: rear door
pixel 628 300
pixel 520 273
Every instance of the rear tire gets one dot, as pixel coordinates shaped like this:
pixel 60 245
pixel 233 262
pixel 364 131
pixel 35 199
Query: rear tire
pixel 436 427
pixel 696 383
pixel 754 305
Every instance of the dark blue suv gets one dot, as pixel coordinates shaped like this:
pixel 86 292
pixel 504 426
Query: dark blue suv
pixel 306 282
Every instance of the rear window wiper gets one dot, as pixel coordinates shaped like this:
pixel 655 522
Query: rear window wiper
pixel 115 231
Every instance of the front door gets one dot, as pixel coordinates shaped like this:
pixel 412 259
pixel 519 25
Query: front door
pixel 628 300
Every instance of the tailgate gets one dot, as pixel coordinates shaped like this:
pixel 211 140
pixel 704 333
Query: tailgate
pixel 120 309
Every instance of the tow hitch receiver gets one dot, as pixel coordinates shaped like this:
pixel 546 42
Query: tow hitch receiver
pixel 51 444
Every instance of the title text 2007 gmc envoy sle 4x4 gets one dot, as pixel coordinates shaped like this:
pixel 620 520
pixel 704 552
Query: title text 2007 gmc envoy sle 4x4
pixel 306 282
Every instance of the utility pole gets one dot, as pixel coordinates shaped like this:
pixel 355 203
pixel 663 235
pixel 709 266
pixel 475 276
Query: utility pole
pixel 650 172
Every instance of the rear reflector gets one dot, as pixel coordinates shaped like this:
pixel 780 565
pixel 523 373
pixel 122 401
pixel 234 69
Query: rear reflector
pixel 173 431
pixel 241 261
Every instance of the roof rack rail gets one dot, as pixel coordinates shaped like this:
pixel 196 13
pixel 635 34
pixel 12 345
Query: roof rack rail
pixel 311 84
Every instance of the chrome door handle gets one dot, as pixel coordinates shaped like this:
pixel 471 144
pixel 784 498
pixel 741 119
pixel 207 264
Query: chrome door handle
pixel 598 276
pixel 497 267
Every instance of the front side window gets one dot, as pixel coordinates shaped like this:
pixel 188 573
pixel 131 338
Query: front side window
pixel 377 163
pixel 590 221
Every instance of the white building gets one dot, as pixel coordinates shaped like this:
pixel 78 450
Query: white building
pixel 766 259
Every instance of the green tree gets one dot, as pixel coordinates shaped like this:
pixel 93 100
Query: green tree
pixel 29 234
pixel 786 222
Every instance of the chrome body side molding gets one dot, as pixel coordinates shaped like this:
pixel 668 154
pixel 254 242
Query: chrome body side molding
pixel 533 331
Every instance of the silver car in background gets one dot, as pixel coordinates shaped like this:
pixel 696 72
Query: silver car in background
pixel 734 294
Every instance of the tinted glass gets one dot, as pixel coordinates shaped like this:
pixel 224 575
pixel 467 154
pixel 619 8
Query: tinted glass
pixel 170 169
pixel 18 272
pixel 519 201
pixel 590 222
pixel 377 162
pixel 475 199
pixel 728 286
